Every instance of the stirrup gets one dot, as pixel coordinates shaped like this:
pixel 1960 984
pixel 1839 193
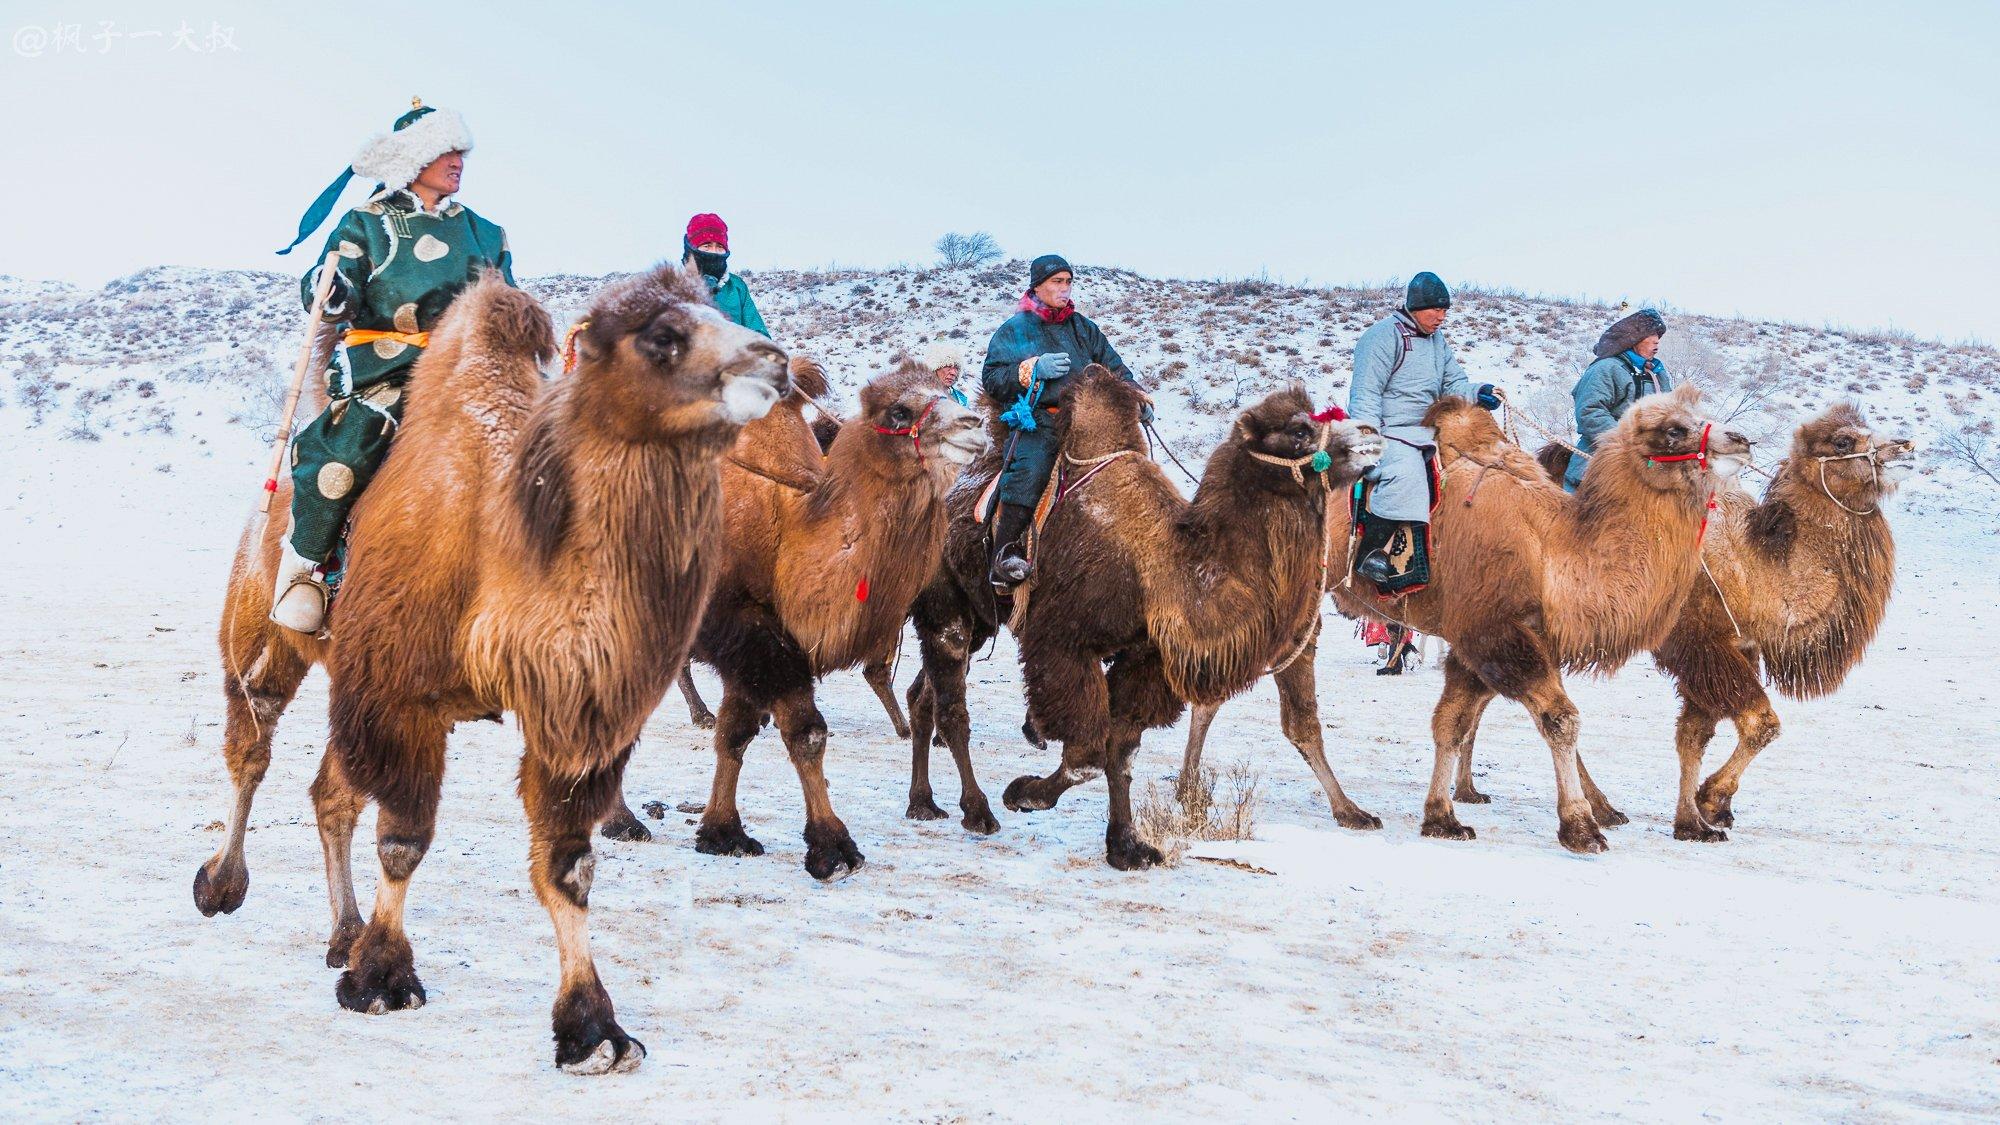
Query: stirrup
pixel 1374 567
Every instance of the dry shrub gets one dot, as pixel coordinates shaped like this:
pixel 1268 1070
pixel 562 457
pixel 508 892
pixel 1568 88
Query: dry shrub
pixel 1171 820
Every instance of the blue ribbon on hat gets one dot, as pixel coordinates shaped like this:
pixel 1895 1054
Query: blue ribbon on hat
pixel 323 206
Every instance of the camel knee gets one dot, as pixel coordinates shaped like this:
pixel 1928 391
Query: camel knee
pixel 570 873
pixel 1560 723
pixel 400 855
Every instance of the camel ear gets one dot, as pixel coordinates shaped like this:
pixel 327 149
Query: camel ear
pixel 1687 394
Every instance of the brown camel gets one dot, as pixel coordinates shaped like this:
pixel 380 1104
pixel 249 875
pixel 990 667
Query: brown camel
pixel 514 555
pixel 1800 584
pixel 1529 581
pixel 1185 600
pixel 822 559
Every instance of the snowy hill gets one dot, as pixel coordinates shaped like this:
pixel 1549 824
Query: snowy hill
pixel 174 350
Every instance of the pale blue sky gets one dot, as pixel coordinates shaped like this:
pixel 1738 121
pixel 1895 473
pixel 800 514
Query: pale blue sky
pixel 1832 162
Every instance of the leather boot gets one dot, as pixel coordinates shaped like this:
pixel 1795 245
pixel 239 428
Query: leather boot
pixel 1010 565
pixel 300 599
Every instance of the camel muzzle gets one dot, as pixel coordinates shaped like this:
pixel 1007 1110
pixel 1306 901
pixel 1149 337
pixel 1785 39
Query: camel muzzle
pixel 750 392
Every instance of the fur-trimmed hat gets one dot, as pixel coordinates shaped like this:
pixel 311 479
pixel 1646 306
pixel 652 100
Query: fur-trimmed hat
pixel 1626 333
pixel 393 159
pixel 396 158
pixel 942 354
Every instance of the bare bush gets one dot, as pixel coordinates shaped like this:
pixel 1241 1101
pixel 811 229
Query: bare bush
pixel 957 250
pixel 1970 444
pixel 1171 821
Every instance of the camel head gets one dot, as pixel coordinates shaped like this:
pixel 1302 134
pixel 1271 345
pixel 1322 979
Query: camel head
pixel 1857 468
pixel 1673 445
pixel 1281 427
pixel 654 349
pixel 1103 413
pixel 921 427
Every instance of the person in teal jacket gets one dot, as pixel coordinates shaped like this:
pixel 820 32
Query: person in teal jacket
pixel 1627 368
pixel 1028 365
pixel 403 256
pixel 706 244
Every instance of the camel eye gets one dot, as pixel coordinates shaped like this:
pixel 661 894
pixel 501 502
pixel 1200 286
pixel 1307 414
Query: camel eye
pixel 1844 443
pixel 1677 433
pixel 661 343
pixel 1301 432
pixel 900 416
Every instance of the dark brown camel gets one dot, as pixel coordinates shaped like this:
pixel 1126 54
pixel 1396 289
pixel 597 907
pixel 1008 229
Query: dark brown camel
pixel 1184 600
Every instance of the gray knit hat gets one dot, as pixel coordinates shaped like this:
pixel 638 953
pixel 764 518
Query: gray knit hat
pixel 1426 291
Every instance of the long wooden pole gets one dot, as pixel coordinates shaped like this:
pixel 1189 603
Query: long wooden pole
pixel 307 348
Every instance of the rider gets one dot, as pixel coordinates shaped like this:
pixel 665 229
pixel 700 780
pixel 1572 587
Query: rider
pixel 1402 365
pixel 1028 363
pixel 706 244
pixel 404 254
pixel 1627 369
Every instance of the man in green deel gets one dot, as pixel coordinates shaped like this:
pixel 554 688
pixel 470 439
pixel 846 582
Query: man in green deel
pixel 404 255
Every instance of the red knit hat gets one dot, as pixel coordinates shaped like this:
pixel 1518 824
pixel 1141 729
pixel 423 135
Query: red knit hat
pixel 707 228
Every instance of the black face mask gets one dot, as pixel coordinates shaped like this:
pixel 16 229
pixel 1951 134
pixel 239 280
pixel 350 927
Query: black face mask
pixel 710 263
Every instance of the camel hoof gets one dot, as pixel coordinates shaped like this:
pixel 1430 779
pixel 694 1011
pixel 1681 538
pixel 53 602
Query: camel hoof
pixel 341 943
pixel 725 839
pixel 1470 796
pixel 831 854
pixel 1361 820
pixel 1033 735
pixel 1611 818
pixel 222 892
pixel 621 1055
pixel 924 808
pixel 372 992
pixel 1127 852
pixel 979 818
pixel 1021 795
pixel 702 719
pixel 1721 816
pixel 902 727
pixel 622 825
pixel 1700 833
pixel 1582 837
pixel 1448 830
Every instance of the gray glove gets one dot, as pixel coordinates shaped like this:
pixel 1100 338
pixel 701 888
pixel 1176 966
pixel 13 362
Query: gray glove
pixel 1051 365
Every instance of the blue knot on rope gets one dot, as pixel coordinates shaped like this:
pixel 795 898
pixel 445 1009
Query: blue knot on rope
pixel 1021 415
pixel 1321 462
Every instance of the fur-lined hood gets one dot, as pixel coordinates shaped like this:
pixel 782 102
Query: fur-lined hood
pixel 1626 332
pixel 394 159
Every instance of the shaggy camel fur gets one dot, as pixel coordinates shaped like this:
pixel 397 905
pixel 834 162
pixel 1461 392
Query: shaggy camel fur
pixel 1529 581
pixel 1801 581
pixel 822 561
pixel 1184 600
pixel 515 555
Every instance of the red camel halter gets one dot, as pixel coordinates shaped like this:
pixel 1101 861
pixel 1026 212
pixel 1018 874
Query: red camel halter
pixel 915 429
pixel 1700 457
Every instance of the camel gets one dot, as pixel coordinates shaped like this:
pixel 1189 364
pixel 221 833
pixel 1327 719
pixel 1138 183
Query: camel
pixel 1185 600
pixel 514 554
pixel 1530 581
pixel 1800 583
pixel 822 558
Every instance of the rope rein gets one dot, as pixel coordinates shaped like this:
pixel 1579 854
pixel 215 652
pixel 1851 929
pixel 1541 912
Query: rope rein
pixel 1875 473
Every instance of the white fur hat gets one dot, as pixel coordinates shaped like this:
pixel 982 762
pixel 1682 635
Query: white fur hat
pixel 942 354
pixel 396 158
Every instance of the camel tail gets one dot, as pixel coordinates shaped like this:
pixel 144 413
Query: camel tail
pixel 809 377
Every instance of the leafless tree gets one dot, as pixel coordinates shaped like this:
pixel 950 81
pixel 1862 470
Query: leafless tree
pixel 956 250
pixel 1971 444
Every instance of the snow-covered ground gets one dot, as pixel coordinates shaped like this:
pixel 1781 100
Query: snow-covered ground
pixel 1836 958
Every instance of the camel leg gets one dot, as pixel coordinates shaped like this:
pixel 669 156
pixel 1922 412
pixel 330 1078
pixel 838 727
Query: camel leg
pixel 271 671
pixel 1600 805
pixel 923 727
pixel 1298 714
pixel 1556 717
pixel 1199 719
pixel 830 851
pixel 1452 724
pixel 698 712
pixel 1756 727
pixel 1123 848
pixel 336 806
pixel 404 758
pixel 1463 791
pixel 878 672
pixel 721 830
pixel 562 809
pixel 620 822
pixel 1692 732
pixel 945 658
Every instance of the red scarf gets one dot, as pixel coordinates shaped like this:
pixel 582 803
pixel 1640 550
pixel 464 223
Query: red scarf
pixel 1033 304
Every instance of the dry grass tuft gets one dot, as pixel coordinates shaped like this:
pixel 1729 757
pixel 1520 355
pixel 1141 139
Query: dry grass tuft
pixel 1171 820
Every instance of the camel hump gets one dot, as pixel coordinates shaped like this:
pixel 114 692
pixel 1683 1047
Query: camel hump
pixel 809 377
pixel 506 319
pixel 1461 424
pixel 1554 460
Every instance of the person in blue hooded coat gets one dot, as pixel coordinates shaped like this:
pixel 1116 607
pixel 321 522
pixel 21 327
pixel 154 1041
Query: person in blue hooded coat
pixel 1402 365
pixel 1627 368
pixel 1029 363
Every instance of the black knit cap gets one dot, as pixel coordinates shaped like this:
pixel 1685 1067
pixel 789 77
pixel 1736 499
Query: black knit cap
pixel 1046 267
pixel 1426 291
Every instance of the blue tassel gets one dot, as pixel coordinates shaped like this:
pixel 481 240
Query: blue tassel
pixel 320 209
pixel 1021 415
